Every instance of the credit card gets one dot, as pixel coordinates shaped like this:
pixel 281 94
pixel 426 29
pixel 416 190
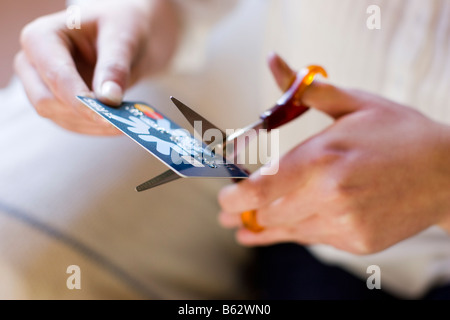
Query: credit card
pixel 173 145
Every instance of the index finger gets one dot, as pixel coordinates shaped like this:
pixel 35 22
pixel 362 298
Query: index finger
pixel 295 170
pixel 48 49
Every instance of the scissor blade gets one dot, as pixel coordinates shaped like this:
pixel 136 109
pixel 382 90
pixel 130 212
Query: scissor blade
pixel 163 178
pixel 234 143
pixel 248 130
pixel 192 116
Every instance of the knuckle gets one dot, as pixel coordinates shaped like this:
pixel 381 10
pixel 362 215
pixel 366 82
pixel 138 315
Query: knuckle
pixel 26 34
pixel 118 69
pixel 342 185
pixel 344 190
pixel 52 76
pixel 129 41
pixel 326 153
pixel 363 238
pixel 30 30
pixel 366 244
pixel 323 159
pixel 56 76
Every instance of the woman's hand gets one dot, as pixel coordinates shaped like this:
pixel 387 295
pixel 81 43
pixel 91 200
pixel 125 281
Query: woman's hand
pixel 118 43
pixel 378 175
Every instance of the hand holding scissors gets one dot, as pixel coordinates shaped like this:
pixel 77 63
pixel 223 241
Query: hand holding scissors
pixel 286 109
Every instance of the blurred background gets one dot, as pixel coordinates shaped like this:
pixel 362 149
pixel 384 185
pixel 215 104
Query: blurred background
pixel 13 17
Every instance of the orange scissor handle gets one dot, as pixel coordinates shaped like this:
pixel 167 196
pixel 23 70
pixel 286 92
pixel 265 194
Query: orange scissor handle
pixel 312 71
pixel 288 107
pixel 249 222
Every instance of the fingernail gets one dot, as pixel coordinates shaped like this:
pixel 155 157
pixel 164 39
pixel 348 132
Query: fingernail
pixel 272 55
pixel 112 92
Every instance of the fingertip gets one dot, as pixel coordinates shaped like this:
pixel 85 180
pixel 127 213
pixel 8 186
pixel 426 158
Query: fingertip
pixel 284 75
pixel 228 220
pixel 225 196
pixel 110 93
pixel 248 238
pixel 272 56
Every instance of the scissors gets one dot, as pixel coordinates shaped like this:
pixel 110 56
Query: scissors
pixel 286 109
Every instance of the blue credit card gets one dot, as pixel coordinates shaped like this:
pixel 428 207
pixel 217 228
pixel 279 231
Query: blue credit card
pixel 165 139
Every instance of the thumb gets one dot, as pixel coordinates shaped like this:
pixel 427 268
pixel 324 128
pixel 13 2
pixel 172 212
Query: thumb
pixel 115 54
pixel 282 73
pixel 334 101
